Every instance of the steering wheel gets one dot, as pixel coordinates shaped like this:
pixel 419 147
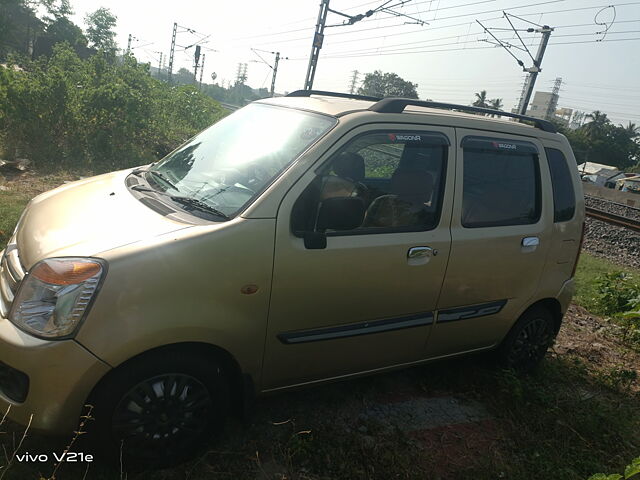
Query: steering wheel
pixel 361 191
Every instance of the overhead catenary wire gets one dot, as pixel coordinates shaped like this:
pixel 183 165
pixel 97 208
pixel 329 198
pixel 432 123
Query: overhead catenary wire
pixel 509 9
pixel 372 51
pixel 467 48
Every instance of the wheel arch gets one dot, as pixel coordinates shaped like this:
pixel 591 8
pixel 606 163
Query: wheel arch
pixel 241 385
pixel 553 306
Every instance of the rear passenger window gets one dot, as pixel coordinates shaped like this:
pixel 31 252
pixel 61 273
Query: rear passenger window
pixel 564 199
pixel 501 183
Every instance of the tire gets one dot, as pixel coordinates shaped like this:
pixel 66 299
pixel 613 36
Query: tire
pixel 159 410
pixel 528 341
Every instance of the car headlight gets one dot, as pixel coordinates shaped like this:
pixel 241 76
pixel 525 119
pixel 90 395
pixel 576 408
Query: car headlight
pixel 55 296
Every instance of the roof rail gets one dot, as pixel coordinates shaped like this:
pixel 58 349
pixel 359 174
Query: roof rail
pixel 397 105
pixel 308 93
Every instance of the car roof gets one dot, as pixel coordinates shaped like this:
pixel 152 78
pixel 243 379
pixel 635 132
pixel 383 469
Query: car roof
pixel 340 106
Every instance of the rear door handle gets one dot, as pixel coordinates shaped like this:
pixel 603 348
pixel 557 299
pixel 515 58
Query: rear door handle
pixel 530 241
pixel 421 252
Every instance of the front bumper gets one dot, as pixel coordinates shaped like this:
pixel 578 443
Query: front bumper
pixel 61 376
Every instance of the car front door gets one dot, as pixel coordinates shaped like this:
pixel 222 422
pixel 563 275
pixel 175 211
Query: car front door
pixel 365 300
pixel 501 235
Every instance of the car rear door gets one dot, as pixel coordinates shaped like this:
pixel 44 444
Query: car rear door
pixel 500 239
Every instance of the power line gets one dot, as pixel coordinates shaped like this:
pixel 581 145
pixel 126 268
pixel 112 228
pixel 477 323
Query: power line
pixel 318 36
pixel 389 49
pixel 466 48
pixel 509 9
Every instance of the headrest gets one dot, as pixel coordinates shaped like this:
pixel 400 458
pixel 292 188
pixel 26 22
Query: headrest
pixel 350 166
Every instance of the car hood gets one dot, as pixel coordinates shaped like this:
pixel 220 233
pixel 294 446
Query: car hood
pixel 85 218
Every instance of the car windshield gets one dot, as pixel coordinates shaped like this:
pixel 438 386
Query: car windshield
pixel 231 162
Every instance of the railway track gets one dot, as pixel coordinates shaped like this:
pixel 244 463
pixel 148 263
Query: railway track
pixel 618 204
pixel 613 219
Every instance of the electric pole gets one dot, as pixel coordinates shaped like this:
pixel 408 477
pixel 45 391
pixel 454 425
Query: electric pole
pixel 172 52
pixel 160 65
pixel 196 62
pixel 354 81
pixel 275 72
pixel 129 44
pixel 273 67
pixel 202 70
pixel 553 101
pixel 535 69
pixel 241 74
pixel 318 38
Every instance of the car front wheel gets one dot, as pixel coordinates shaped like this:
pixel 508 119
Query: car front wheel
pixel 160 410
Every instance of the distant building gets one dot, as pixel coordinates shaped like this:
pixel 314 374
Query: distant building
pixel 603 175
pixel 563 115
pixel 544 105
pixel 629 184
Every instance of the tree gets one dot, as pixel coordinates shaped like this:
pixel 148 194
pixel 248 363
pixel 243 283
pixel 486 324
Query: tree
pixel 19 27
pixel 378 84
pixel 596 127
pixel 100 25
pixel 57 9
pixel 632 130
pixel 61 30
pixel 481 99
pixel 496 104
pixel 600 141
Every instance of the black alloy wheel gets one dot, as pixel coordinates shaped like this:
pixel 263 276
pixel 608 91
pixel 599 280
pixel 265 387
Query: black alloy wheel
pixel 158 410
pixel 163 413
pixel 529 339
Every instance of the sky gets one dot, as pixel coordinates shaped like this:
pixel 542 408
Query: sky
pixel 594 47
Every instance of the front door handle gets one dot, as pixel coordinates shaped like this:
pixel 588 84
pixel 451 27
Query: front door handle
pixel 421 252
pixel 530 241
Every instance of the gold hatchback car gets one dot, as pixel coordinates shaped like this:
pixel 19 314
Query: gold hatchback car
pixel 304 239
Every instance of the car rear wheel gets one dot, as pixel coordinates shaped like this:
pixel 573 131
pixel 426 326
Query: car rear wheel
pixel 160 410
pixel 528 341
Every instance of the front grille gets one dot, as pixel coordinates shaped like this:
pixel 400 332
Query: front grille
pixel 11 274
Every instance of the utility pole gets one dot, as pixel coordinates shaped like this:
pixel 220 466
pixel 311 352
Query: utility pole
pixel 196 62
pixel 535 69
pixel 553 101
pixel 275 72
pixel 202 70
pixel 273 67
pixel 241 74
pixel 129 44
pixel 172 52
pixel 354 81
pixel 160 65
pixel 318 38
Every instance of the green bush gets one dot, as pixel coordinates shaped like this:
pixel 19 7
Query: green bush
pixel 102 113
pixel 615 292
pixel 632 471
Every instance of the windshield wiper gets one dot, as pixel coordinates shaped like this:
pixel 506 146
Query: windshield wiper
pixel 191 202
pixel 199 205
pixel 164 178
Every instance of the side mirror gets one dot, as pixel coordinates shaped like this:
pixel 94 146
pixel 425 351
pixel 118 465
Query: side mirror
pixel 340 213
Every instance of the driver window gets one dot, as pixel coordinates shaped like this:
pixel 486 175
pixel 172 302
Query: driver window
pixel 396 177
